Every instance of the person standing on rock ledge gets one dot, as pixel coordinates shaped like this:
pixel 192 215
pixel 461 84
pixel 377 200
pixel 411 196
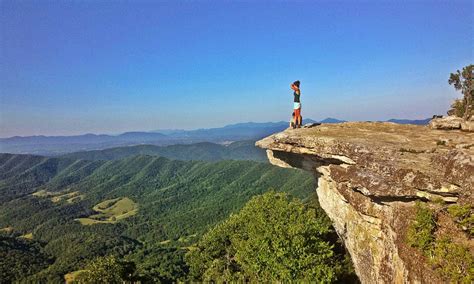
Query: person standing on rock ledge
pixel 297 120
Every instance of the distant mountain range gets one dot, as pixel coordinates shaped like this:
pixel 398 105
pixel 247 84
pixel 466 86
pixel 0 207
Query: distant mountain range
pixel 408 121
pixel 51 145
pixel 57 145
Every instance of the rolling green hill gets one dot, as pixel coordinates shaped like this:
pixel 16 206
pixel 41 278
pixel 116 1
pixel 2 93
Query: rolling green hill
pixel 205 151
pixel 173 204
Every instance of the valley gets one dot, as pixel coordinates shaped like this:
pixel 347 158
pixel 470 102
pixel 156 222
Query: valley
pixel 59 212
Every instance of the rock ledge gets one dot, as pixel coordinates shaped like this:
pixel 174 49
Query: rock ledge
pixel 369 175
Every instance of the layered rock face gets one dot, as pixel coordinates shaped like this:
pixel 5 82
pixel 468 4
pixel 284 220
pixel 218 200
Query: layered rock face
pixel 370 175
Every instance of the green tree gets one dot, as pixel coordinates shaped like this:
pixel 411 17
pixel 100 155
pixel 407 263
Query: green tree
pixel 464 82
pixel 272 238
pixel 106 269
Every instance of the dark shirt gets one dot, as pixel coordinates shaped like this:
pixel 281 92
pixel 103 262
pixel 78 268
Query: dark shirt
pixel 297 97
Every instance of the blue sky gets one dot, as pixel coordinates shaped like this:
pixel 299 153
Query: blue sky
pixel 70 67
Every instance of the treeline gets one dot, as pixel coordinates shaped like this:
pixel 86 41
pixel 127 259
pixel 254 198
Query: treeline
pixel 205 151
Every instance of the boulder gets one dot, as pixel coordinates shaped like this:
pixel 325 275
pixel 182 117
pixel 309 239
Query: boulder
pixel 446 123
pixel 310 125
pixel 467 126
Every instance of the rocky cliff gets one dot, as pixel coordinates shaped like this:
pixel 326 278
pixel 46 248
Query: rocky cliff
pixel 370 176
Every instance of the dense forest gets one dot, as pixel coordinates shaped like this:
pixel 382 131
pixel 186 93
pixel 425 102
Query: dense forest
pixel 57 214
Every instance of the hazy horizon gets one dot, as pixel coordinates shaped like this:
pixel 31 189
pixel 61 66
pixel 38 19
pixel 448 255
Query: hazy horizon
pixel 191 129
pixel 72 68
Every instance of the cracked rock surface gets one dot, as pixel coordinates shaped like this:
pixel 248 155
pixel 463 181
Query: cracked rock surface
pixel 369 175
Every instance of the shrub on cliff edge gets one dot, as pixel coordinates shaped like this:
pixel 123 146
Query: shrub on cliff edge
pixel 463 215
pixel 271 239
pixel 451 260
pixel 420 231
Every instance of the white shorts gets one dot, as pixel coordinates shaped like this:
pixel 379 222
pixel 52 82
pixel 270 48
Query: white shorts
pixel 296 105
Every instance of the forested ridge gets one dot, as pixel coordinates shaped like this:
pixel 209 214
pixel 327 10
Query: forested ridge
pixel 204 151
pixel 178 202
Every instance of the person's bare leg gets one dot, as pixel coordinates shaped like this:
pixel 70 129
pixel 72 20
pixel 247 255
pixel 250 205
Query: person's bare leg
pixel 297 118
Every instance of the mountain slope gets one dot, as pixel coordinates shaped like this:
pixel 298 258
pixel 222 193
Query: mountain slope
pixel 177 201
pixel 205 151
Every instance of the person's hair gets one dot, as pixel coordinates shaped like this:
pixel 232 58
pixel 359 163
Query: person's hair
pixel 296 83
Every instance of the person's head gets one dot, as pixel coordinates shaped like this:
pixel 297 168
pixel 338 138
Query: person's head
pixel 296 85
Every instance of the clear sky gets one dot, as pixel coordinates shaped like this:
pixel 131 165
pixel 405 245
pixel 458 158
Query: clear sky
pixel 70 67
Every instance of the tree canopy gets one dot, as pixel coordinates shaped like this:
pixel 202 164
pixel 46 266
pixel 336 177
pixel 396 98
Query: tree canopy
pixel 107 269
pixel 273 238
pixel 463 81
